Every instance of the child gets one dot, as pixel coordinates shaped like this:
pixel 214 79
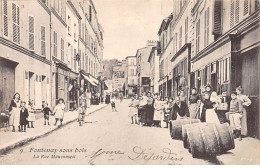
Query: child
pixel 133 110
pixel 31 117
pixel 23 116
pixel 235 115
pixel 46 112
pixel 113 105
pixel 59 111
pixel 81 111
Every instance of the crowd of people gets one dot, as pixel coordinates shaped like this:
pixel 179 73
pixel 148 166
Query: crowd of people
pixel 153 110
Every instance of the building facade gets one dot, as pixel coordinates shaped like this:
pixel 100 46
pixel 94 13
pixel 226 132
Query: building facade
pixel 118 77
pixel 154 75
pixel 42 55
pixel 143 67
pixel 214 43
pixel 166 49
pixel 130 76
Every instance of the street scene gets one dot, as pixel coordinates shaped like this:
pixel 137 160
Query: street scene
pixel 140 82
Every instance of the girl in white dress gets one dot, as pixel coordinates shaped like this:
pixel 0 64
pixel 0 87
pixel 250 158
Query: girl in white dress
pixel 59 111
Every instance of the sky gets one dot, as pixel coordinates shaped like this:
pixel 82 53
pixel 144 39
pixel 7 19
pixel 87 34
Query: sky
pixel 128 24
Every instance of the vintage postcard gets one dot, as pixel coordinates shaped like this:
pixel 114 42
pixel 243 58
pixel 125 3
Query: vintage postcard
pixel 129 82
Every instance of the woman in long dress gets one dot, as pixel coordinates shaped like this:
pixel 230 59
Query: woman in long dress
pixel 14 110
pixel 245 103
pixel 88 98
pixel 59 111
pixel 149 110
pixel 193 103
pixel 208 114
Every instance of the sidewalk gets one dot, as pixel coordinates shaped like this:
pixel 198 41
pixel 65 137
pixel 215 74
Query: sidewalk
pixel 246 152
pixel 10 140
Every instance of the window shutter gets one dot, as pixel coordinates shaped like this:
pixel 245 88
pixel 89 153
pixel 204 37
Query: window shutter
pixel 14 22
pixel 237 11
pixel 232 13
pixel 180 38
pixel 245 7
pixel 207 39
pixel 18 25
pixel 31 33
pixel 43 44
pixel 5 18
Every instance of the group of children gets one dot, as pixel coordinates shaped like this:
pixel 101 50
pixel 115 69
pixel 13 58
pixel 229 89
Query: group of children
pixel 22 116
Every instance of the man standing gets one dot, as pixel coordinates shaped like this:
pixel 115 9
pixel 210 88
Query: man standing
pixel 180 110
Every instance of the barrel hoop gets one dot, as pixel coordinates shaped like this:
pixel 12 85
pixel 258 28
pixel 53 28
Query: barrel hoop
pixel 231 136
pixel 204 139
pixel 218 138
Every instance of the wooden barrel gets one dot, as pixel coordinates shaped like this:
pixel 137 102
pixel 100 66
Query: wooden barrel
pixel 184 132
pixel 176 127
pixel 207 140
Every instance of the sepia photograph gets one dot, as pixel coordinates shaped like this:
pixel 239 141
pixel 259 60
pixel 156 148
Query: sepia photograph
pixel 129 82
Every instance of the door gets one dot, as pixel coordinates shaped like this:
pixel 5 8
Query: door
pixel 7 83
pixel 250 84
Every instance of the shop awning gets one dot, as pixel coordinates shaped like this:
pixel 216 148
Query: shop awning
pixel 93 79
pixel 89 80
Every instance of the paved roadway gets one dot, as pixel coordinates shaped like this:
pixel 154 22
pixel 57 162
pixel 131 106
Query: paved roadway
pixel 106 138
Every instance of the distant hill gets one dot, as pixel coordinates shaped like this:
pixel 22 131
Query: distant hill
pixel 108 68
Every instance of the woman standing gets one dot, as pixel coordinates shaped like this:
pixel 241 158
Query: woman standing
pixel 167 109
pixel 59 111
pixel 193 103
pixel 88 98
pixel 149 111
pixel 245 103
pixel 14 110
pixel 31 111
pixel 158 111
pixel 208 113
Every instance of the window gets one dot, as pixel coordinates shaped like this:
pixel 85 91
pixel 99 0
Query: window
pixel 43 42
pixel 69 29
pixel 180 38
pixel 90 13
pixel 83 29
pixel 173 41
pixel 31 33
pixel 83 61
pixel 198 36
pixel 5 17
pixel 132 82
pixel 186 30
pixel 176 42
pixel 206 28
pixel 55 44
pixel 16 23
pixel 75 64
pixel 62 49
pixel 86 36
pixel 132 62
pixel 75 29
pixel 131 72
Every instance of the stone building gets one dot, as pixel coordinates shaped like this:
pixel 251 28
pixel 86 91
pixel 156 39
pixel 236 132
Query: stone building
pixel 130 76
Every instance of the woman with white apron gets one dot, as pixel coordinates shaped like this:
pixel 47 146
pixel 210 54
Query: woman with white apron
pixel 14 110
pixel 245 103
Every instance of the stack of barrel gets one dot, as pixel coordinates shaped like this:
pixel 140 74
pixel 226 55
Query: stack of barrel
pixel 203 140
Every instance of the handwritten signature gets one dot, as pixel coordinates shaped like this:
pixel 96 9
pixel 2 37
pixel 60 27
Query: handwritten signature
pixel 145 154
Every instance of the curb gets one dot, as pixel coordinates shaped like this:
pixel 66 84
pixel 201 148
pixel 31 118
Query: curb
pixel 22 142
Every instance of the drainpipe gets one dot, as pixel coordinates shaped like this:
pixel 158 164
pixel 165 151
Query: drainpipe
pixel 51 78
